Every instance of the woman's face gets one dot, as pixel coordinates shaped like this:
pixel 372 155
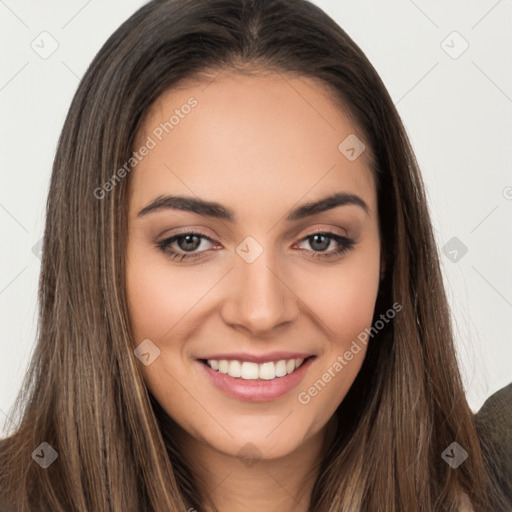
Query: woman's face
pixel 253 283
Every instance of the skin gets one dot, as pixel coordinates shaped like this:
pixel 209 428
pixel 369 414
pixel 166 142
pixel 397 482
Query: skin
pixel 260 146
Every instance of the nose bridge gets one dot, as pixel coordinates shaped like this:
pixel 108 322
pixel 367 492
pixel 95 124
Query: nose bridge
pixel 259 299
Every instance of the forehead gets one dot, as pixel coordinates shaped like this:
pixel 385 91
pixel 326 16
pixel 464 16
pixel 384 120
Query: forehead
pixel 251 140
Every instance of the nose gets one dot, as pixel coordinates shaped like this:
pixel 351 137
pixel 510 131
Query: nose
pixel 258 297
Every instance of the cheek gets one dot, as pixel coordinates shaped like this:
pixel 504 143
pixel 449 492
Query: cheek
pixel 344 297
pixel 348 314
pixel 150 302
pixel 351 306
pixel 344 303
pixel 159 298
pixel 158 302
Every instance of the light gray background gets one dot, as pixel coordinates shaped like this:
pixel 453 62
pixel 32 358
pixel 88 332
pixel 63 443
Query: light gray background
pixel 457 110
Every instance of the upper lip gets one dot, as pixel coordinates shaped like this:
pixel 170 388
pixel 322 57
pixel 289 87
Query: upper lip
pixel 258 358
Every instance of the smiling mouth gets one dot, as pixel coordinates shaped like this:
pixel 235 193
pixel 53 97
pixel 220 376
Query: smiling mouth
pixel 254 371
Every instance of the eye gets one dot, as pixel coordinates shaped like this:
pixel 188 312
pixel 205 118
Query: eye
pixel 185 245
pixel 186 242
pixel 321 240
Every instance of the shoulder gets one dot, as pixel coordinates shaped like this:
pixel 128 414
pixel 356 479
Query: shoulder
pixel 494 426
pixel 494 419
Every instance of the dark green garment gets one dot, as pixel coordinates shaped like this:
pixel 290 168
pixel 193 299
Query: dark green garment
pixel 494 425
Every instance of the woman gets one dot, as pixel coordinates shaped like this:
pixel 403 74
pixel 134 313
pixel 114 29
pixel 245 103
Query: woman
pixel 241 301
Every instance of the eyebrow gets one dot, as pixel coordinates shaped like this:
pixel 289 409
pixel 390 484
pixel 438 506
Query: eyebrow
pixel 218 211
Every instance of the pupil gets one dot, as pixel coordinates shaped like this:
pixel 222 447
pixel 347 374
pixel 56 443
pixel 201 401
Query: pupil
pixel 323 245
pixel 189 244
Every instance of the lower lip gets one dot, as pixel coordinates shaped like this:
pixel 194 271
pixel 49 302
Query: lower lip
pixel 257 390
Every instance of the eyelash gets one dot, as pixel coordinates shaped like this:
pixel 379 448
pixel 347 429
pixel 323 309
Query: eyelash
pixel 345 244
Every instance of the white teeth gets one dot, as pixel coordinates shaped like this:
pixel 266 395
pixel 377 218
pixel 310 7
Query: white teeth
pixel 223 366
pixel 235 369
pixel 249 370
pixel 281 368
pixel 252 371
pixel 267 371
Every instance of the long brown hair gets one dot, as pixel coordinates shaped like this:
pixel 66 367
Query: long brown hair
pixel 84 394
